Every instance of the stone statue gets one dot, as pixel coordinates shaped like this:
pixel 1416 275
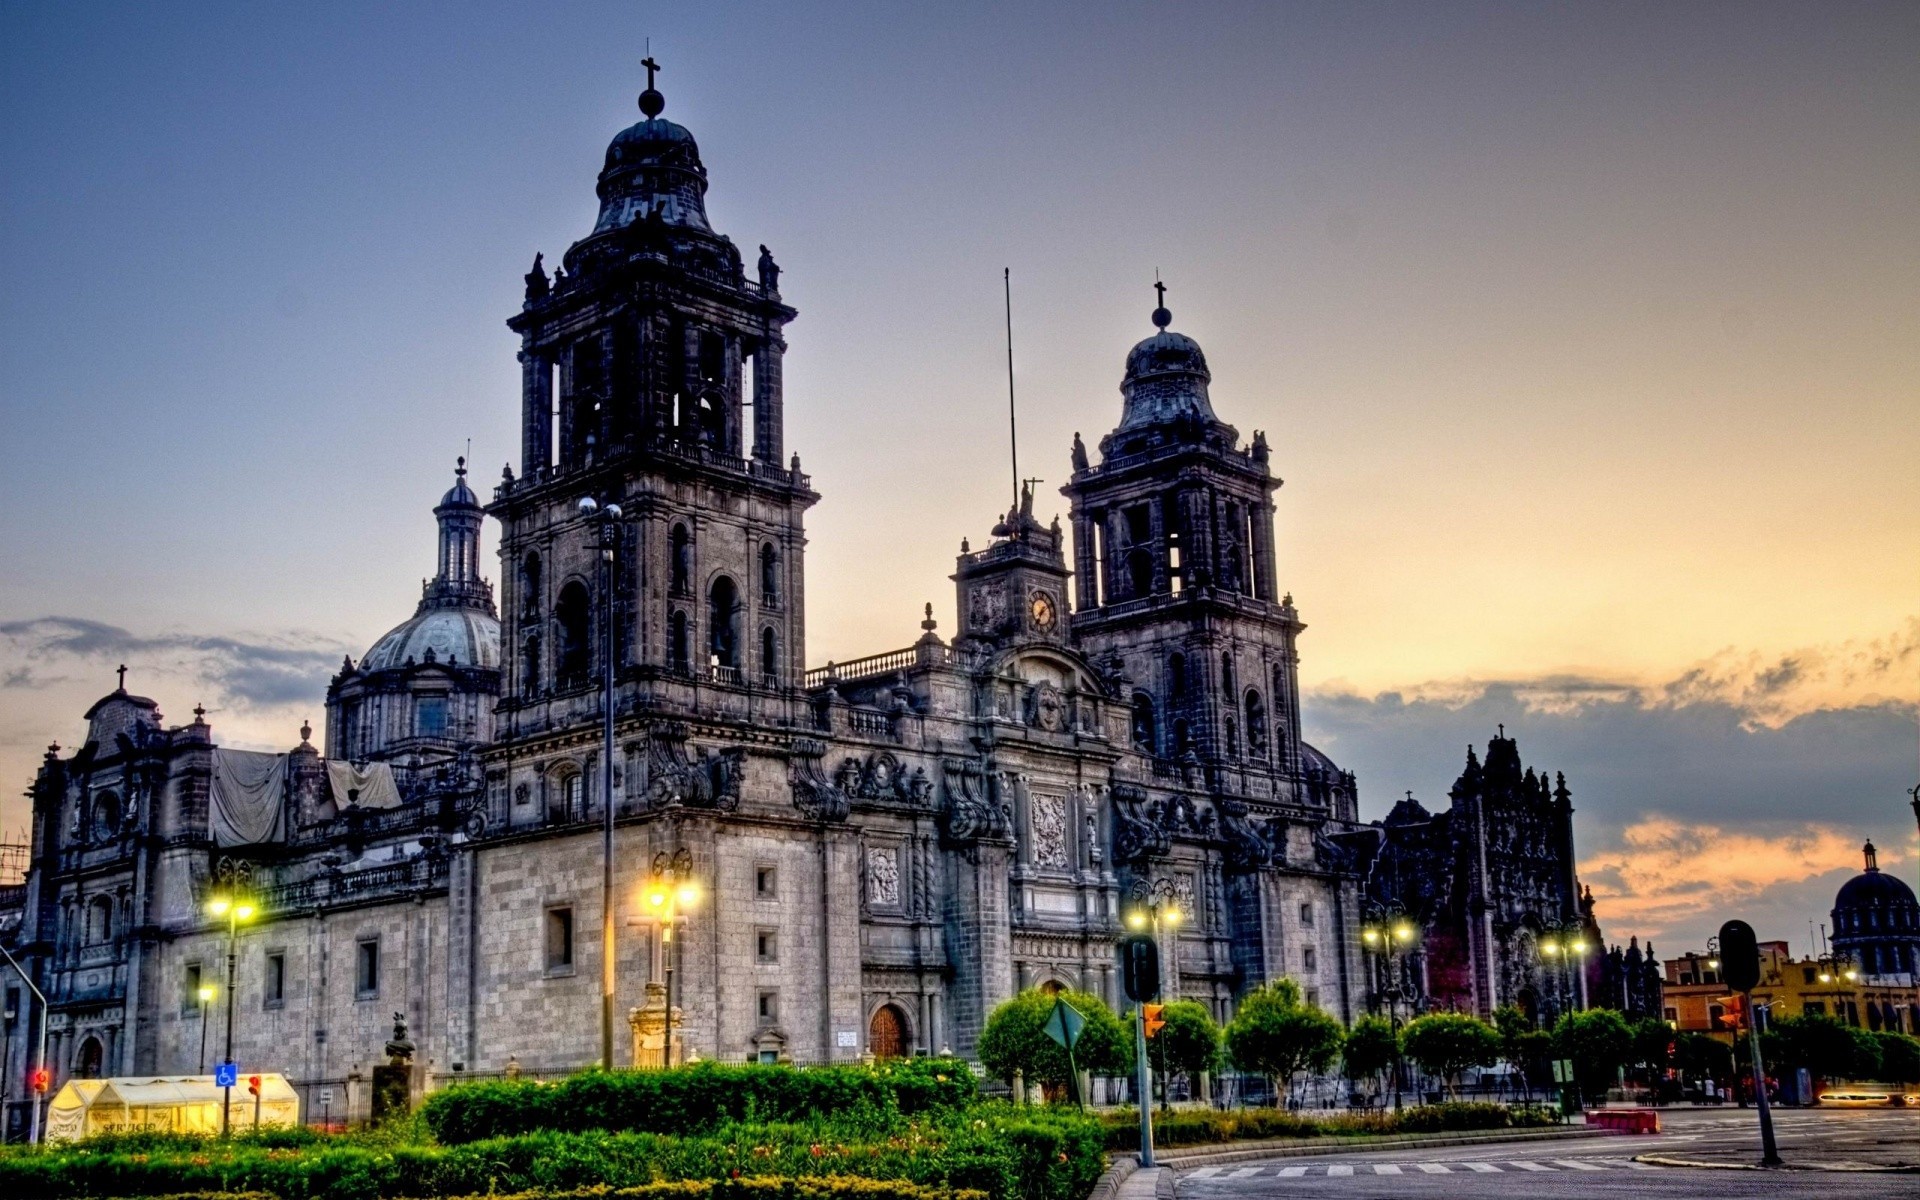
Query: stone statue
pixel 1079 453
pixel 769 273
pixel 537 285
pixel 400 1049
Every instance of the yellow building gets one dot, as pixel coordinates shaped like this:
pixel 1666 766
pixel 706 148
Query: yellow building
pixel 1697 1000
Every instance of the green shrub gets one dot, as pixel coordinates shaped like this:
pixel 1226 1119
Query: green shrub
pixel 697 1099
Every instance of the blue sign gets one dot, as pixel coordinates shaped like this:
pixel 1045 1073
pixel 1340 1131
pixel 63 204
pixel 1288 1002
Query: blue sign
pixel 226 1074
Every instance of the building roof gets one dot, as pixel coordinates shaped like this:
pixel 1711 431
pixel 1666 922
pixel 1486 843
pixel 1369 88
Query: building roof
pixel 469 637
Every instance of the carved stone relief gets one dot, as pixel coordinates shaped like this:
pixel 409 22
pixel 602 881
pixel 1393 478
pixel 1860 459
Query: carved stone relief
pixel 1047 817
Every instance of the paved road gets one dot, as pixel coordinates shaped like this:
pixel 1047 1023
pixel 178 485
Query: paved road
pixel 1601 1166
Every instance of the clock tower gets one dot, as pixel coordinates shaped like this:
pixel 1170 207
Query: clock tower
pixel 1016 589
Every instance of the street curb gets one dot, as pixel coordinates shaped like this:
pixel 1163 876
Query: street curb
pixel 1298 1148
pixel 1662 1160
pixel 1108 1186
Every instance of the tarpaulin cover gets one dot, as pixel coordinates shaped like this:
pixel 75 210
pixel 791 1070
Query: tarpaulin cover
pixel 175 1103
pixel 374 782
pixel 249 789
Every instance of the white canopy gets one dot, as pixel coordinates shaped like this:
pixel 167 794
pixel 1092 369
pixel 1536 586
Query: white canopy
pixel 248 797
pixel 175 1103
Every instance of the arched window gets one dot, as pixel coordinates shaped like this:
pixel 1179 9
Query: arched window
pixel 530 586
pixel 1139 572
pixel 677 641
pixel 563 798
pixel 1226 673
pixel 769 660
pixel 1256 723
pixel 1144 735
pixel 682 559
pixel 574 654
pixel 1233 738
pixel 723 605
pixel 530 666
pixel 713 422
pixel 99 920
pixel 769 574
pixel 1179 737
pixel 106 816
pixel 87 1061
pixel 1177 676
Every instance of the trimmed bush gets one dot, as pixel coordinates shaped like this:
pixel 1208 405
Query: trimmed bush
pixel 698 1099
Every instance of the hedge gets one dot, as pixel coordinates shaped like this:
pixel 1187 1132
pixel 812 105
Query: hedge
pixel 993 1149
pixel 769 1187
pixel 697 1099
pixel 1189 1127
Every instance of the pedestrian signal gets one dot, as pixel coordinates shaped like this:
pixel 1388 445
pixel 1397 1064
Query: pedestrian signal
pixel 1155 1022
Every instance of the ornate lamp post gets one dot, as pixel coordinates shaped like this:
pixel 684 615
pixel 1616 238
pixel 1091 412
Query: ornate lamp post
pixel 671 893
pixel 1156 906
pixel 1388 934
pixel 231 899
pixel 1566 947
pixel 606 518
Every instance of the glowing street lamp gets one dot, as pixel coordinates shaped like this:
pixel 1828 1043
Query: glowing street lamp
pixel 206 998
pixel 671 892
pixel 230 900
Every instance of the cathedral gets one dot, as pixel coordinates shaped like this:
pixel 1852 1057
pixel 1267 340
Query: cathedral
pixel 806 865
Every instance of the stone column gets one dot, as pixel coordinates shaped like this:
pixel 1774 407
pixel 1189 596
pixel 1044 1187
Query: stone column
pixel 1263 570
pixel 536 413
pixel 1086 587
pixel 766 399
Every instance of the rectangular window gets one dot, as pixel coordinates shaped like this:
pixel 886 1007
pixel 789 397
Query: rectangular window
pixel 1309 962
pixel 1673 1016
pixel 1815 1007
pixel 190 988
pixel 1807 972
pixel 1313 997
pixel 273 991
pixel 766 883
pixel 366 976
pixel 430 716
pixel 766 946
pixel 560 939
pixel 769 1006
pixel 1306 914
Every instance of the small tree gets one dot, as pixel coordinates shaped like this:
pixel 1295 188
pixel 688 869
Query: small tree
pixel 1445 1044
pixel 1275 1035
pixel 1369 1052
pixel 1704 1057
pixel 1016 1039
pixel 1514 1026
pixel 1899 1057
pixel 1824 1047
pixel 1597 1042
pixel 1190 1039
pixel 1652 1048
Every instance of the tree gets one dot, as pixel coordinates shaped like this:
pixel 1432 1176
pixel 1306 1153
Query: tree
pixel 1275 1035
pixel 1652 1048
pixel 1016 1039
pixel 1824 1047
pixel 1515 1028
pixel 1445 1044
pixel 1369 1052
pixel 1597 1042
pixel 1190 1039
pixel 1899 1057
pixel 1703 1056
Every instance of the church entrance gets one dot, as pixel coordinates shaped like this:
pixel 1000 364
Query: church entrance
pixel 887 1033
pixel 86 1064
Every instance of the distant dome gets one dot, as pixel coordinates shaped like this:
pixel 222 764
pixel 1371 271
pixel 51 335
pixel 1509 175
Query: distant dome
pixel 460 493
pixel 467 636
pixel 653 172
pixel 1874 888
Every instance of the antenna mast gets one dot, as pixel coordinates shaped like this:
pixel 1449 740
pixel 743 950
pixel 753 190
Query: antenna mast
pixel 1013 420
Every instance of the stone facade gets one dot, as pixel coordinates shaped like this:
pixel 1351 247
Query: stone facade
pixel 885 848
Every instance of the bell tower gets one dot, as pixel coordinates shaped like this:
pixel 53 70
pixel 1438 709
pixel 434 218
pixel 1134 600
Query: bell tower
pixel 651 379
pixel 1175 580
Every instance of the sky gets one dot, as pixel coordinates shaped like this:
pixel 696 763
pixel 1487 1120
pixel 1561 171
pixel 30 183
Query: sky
pixel 1587 338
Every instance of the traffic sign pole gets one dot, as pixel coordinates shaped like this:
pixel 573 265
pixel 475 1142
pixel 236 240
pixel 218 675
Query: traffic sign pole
pixel 1740 970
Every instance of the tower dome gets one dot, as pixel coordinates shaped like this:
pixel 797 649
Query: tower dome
pixel 653 172
pixel 1876 921
pixel 1166 380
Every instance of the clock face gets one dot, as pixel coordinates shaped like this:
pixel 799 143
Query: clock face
pixel 1041 607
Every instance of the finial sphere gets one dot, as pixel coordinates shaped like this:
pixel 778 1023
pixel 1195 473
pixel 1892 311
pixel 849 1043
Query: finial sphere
pixel 652 103
pixel 1162 318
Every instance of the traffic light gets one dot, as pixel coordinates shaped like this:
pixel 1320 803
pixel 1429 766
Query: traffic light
pixel 253 1085
pixel 1140 967
pixel 1154 1020
pixel 41 1079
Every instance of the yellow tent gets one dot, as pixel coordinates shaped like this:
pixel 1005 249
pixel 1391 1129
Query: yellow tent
pixel 177 1103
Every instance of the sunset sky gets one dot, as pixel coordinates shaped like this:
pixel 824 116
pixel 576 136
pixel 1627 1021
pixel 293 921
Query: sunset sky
pixel 1587 338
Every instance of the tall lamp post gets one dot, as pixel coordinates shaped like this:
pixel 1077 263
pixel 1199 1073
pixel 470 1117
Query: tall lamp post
pixel 206 997
pixel 606 517
pixel 230 899
pixel 1566 946
pixel 1156 906
pixel 671 892
pixel 1388 934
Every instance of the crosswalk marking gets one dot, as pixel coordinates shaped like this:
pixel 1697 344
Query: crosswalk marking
pixel 1340 1170
pixel 1292 1172
pixel 1529 1166
pixel 1206 1172
pixel 1640 1166
pixel 1385 1169
pixel 1434 1168
pixel 1343 1170
pixel 1483 1168
pixel 1576 1164
pixel 1243 1172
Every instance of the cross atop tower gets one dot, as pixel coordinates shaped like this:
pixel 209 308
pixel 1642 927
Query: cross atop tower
pixel 651 101
pixel 122 672
pixel 651 67
pixel 1161 317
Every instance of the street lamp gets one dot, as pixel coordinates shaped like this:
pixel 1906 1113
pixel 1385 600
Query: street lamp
pixel 230 900
pixel 606 517
pixel 1388 934
pixel 1156 906
pixel 1566 946
pixel 206 996
pixel 671 892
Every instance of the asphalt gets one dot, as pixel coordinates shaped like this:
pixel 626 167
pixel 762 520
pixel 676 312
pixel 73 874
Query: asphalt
pixel 1602 1166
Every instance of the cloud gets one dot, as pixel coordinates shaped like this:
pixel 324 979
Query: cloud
pixel 251 672
pixel 1730 789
